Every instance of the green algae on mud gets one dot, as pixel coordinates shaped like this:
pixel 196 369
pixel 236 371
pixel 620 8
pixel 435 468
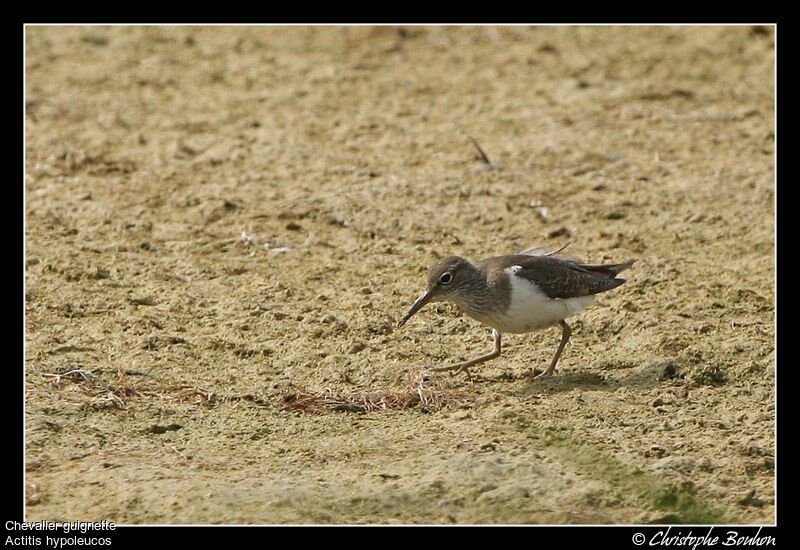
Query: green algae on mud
pixel 638 488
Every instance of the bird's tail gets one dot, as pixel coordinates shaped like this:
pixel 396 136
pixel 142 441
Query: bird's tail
pixel 611 270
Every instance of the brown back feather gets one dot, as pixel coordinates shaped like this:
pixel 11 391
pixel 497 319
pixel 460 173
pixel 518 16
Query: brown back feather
pixel 559 278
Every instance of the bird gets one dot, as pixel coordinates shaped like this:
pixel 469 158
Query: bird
pixel 518 293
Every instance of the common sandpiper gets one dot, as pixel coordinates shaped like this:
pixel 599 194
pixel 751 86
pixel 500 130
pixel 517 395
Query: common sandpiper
pixel 519 293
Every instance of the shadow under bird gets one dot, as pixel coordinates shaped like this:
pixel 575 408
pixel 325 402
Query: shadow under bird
pixel 519 293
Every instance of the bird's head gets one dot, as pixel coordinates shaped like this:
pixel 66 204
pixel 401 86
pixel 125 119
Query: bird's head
pixel 446 280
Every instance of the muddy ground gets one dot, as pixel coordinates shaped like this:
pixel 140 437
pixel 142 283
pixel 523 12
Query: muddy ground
pixel 225 224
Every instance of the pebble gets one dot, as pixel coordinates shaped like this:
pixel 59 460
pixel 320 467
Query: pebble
pixel 145 300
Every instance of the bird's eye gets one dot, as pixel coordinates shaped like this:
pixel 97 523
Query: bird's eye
pixel 445 278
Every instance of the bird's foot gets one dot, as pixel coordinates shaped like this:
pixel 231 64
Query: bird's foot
pixel 542 376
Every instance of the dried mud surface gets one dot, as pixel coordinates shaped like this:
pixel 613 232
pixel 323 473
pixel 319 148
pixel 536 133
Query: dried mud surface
pixel 220 220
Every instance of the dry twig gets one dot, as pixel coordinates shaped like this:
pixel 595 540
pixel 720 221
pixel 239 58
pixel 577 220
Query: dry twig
pixel 484 156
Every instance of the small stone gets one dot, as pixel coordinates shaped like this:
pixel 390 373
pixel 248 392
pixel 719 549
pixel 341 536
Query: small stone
pixel 683 464
pixel 146 300
pixel 355 347
pixel 750 499
pixel 584 170
pixel 156 429
pixel 706 465
pixel 656 451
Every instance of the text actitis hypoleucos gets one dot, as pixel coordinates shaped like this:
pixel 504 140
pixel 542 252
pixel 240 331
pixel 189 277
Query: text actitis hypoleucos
pixel 519 293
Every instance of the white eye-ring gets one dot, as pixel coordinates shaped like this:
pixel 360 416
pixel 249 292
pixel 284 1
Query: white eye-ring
pixel 445 278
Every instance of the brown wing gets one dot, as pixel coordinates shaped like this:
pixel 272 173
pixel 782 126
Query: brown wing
pixel 559 278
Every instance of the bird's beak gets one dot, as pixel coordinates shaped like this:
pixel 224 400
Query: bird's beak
pixel 415 307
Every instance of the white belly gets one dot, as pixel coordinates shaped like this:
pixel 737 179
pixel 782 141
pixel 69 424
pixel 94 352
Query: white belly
pixel 530 308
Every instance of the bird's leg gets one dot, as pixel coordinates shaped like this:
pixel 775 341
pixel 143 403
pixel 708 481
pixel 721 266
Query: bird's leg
pixel 566 331
pixel 465 365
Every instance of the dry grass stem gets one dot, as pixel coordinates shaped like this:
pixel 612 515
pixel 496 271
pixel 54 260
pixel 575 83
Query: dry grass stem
pixel 412 397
